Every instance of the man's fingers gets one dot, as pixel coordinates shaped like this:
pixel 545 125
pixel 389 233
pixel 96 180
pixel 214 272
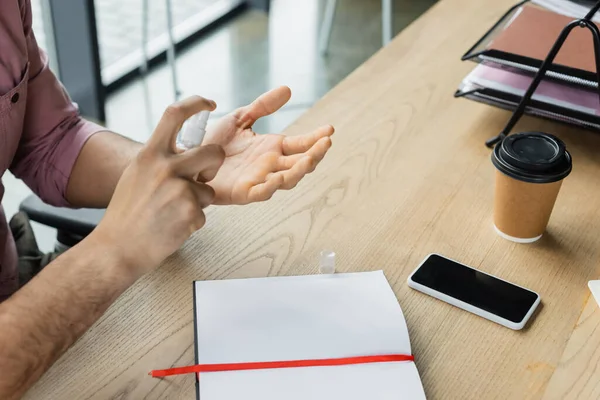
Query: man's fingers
pixel 316 152
pixel 264 191
pixel 292 176
pixel 201 163
pixel 286 162
pixel 205 194
pixel 302 143
pixel 163 138
pixel 264 105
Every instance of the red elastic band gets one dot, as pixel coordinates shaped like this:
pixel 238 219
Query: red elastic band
pixel 279 364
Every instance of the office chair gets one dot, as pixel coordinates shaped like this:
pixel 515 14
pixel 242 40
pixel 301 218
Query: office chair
pixel 330 6
pixel 71 225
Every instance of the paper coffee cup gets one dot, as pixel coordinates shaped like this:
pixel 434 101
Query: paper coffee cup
pixel 530 169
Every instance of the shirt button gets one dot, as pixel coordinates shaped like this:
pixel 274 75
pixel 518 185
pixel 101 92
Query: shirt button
pixel 15 98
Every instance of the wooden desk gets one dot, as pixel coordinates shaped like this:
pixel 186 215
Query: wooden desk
pixel 408 175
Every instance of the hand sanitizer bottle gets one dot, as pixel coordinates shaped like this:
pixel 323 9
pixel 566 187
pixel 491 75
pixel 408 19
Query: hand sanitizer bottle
pixel 193 131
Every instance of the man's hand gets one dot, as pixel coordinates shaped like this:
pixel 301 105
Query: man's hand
pixel 157 204
pixel 256 166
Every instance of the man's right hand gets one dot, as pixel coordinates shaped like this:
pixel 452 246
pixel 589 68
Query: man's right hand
pixel 158 204
pixel 155 207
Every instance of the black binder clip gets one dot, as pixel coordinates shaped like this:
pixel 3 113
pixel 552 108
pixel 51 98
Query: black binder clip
pixel 585 22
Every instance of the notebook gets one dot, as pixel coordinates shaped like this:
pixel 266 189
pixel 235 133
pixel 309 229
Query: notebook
pixel 521 39
pixel 532 33
pixel 316 317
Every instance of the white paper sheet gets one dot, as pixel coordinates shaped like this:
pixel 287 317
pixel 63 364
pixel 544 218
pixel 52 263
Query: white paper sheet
pixel 595 289
pixel 566 7
pixel 307 317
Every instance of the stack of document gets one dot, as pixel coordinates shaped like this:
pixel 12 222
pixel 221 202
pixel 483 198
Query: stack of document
pixel 512 51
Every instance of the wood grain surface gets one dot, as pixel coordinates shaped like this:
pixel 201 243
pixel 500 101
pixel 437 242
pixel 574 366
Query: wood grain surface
pixel 578 373
pixel 408 175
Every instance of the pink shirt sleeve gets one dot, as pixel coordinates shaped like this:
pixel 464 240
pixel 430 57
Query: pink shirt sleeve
pixel 53 131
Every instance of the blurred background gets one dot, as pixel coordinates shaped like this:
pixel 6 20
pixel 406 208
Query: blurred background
pixel 227 50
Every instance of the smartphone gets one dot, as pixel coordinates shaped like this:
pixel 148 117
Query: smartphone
pixel 485 295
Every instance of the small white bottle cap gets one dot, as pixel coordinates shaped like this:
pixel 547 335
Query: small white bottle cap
pixel 194 130
pixel 327 262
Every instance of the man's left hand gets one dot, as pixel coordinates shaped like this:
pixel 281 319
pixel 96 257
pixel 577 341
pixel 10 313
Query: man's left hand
pixel 256 166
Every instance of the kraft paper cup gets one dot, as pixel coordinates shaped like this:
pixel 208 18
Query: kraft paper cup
pixel 530 169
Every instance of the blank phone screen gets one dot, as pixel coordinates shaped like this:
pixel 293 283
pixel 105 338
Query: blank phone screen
pixel 476 288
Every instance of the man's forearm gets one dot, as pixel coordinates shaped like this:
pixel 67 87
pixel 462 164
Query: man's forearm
pixel 98 169
pixel 46 316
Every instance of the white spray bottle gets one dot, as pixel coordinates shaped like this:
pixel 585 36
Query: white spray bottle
pixel 193 131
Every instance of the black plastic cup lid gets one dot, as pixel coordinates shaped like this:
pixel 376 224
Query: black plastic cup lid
pixel 534 157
